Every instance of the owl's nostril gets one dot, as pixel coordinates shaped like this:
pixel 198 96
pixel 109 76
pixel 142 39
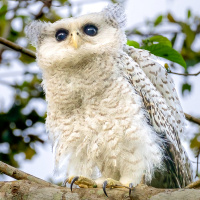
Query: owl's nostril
pixel 71 34
pixel 77 33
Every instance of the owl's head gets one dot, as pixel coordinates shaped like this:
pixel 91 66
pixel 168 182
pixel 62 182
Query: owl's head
pixel 74 40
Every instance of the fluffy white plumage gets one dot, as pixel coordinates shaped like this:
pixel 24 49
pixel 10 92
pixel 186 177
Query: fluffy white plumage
pixel 112 109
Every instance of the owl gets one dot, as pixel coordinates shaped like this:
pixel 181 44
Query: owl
pixel 113 115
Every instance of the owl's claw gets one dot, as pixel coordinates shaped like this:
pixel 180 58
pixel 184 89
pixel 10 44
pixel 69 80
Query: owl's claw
pixel 73 180
pixel 81 181
pixel 111 183
pixel 104 187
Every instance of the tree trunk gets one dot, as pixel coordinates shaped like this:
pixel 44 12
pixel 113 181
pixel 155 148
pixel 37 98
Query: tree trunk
pixel 29 190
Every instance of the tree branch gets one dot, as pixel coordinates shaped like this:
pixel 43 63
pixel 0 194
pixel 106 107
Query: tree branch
pixel 24 189
pixel 20 175
pixel 186 74
pixel 30 186
pixel 192 119
pixel 17 47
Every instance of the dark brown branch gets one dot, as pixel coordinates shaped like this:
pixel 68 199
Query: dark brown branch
pixel 192 119
pixel 20 175
pixel 17 47
pixel 186 74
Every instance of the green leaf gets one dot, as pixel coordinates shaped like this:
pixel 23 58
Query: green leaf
pixel 137 32
pixel 133 43
pixel 3 9
pixel 174 39
pixel 158 20
pixel 185 87
pixel 158 39
pixel 189 14
pixel 166 52
pixel 171 18
pixel 29 152
pixel 190 34
pixel 195 142
pixel 191 62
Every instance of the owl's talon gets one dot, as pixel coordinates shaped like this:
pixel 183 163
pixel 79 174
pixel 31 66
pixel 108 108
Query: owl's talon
pixel 111 183
pixel 81 181
pixel 104 187
pixel 73 180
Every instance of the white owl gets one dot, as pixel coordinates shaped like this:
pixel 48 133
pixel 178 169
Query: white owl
pixel 113 114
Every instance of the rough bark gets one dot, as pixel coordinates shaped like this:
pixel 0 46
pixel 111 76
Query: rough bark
pixel 30 187
pixel 29 190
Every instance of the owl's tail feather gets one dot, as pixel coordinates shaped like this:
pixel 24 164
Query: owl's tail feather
pixel 176 173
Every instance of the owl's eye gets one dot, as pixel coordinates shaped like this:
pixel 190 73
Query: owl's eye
pixel 61 34
pixel 90 30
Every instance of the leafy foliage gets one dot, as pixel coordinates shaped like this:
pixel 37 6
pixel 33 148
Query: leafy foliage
pixel 195 142
pixel 190 28
pixel 162 47
pixel 158 20
pixel 17 126
pixel 133 43
pixel 186 87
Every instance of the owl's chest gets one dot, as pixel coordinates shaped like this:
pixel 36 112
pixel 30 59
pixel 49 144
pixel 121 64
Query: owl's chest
pixel 104 90
pixel 98 97
pixel 95 101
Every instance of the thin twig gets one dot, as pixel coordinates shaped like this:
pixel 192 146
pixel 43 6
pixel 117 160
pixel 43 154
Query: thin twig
pixel 137 32
pixel 192 119
pixel 194 161
pixel 20 175
pixel 186 74
pixel 17 47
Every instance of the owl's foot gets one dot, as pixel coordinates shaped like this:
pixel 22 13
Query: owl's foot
pixel 81 181
pixel 111 183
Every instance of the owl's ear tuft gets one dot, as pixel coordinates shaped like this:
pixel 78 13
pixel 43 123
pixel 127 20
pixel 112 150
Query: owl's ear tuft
pixel 115 15
pixel 34 31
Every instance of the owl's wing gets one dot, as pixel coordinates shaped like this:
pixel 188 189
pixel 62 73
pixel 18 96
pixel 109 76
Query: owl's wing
pixel 160 100
pixel 161 80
